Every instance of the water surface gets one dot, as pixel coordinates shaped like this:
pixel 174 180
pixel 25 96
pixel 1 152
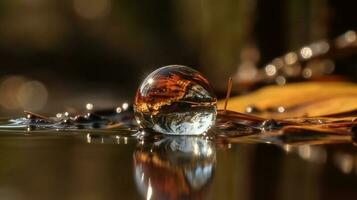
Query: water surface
pixel 109 165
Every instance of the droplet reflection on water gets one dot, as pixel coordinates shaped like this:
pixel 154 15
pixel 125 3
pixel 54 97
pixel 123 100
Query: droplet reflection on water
pixel 177 167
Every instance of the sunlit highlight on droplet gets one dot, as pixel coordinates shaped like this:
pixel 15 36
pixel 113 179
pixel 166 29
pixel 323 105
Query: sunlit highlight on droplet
pixel 151 81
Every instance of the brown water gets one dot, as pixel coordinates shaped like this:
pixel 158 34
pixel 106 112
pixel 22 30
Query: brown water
pixel 109 165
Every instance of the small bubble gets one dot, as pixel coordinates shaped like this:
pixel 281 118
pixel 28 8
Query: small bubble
pixel 281 109
pixel 118 110
pixel 251 109
pixel 125 106
pixel 89 106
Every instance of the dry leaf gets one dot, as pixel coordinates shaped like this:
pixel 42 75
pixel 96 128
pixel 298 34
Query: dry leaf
pixel 308 99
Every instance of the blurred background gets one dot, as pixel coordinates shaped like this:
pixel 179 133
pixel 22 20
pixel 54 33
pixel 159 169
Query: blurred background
pixel 60 55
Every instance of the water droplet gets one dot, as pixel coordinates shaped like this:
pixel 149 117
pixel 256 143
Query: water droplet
pixel 281 109
pixel 175 100
pixel 125 106
pixel 59 115
pixel 89 106
pixel 252 109
pixel 118 110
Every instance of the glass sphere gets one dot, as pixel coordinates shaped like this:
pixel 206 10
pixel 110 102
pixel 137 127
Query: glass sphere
pixel 175 100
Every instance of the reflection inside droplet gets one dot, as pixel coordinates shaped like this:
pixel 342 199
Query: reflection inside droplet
pixel 175 100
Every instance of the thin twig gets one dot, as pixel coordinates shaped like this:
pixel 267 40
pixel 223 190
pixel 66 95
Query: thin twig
pixel 36 115
pixel 229 89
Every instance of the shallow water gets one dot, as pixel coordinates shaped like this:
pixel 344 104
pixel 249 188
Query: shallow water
pixel 110 165
pixel 103 155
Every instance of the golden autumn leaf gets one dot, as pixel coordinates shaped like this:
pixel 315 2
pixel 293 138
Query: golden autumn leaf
pixel 308 99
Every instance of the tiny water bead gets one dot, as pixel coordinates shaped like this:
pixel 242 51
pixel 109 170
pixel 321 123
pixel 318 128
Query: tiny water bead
pixel 175 100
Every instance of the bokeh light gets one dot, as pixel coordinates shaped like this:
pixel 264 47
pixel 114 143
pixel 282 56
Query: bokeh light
pixel 32 95
pixel 9 90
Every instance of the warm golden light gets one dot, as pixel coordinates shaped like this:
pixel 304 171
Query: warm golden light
pixel 345 162
pixel 347 39
pixel 320 47
pixel 306 52
pixel 151 81
pixel 290 58
pixel 281 109
pixel 89 106
pixel 247 71
pixel 9 89
pixel 350 36
pixel 125 106
pixel 305 151
pixel 270 70
pixel 32 95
